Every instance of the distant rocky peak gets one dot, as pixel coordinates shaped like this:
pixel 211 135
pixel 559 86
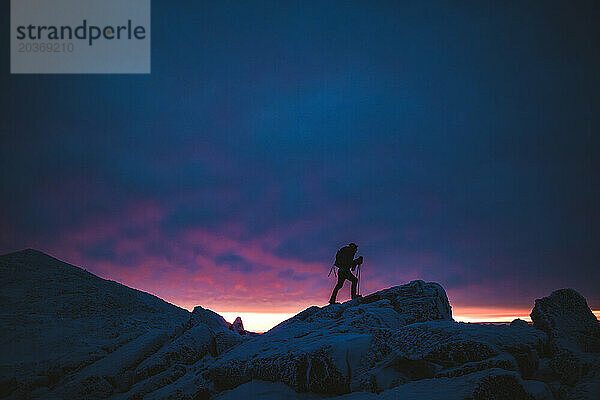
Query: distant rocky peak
pixel 238 325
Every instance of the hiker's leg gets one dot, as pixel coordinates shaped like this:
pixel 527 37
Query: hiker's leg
pixel 354 281
pixel 338 286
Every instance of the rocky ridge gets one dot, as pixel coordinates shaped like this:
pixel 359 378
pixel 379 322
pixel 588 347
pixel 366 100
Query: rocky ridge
pixel 399 342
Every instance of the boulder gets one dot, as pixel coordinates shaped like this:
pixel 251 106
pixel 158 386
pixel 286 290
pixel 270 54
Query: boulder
pixel 392 308
pixel 325 350
pixel 568 320
pixel 573 331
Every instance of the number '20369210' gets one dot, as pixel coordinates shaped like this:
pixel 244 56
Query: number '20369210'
pixel 46 47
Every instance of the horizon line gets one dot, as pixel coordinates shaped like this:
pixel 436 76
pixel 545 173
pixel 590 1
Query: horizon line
pixel 261 322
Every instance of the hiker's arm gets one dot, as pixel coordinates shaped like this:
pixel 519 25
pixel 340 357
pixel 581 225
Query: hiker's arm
pixel 356 262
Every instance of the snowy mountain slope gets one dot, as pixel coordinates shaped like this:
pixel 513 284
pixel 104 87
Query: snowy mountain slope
pixel 58 318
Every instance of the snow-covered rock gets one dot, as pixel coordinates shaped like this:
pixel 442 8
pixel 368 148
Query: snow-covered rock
pixel 568 321
pixel 205 333
pixel 574 334
pixel 207 317
pixel 59 319
pixel 326 349
pixel 389 338
pixel 188 348
pixel 384 342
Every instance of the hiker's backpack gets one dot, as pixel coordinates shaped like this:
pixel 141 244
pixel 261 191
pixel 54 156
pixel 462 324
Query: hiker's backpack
pixel 340 261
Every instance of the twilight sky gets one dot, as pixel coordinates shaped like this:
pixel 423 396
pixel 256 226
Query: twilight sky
pixel 454 143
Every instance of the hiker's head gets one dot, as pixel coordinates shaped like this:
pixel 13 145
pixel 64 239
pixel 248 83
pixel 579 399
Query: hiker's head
pixel 353 246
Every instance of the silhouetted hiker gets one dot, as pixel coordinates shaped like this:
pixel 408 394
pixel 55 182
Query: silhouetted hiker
pixel 344 260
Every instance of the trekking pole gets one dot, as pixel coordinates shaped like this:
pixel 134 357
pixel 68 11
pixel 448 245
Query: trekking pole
pixel 358 284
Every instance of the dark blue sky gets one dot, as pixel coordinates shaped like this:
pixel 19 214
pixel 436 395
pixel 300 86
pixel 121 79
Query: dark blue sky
pixel 455 143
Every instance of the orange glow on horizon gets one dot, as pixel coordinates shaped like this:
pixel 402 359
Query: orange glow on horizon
pixel 263 321
pixel 489 314
pixel 256 322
